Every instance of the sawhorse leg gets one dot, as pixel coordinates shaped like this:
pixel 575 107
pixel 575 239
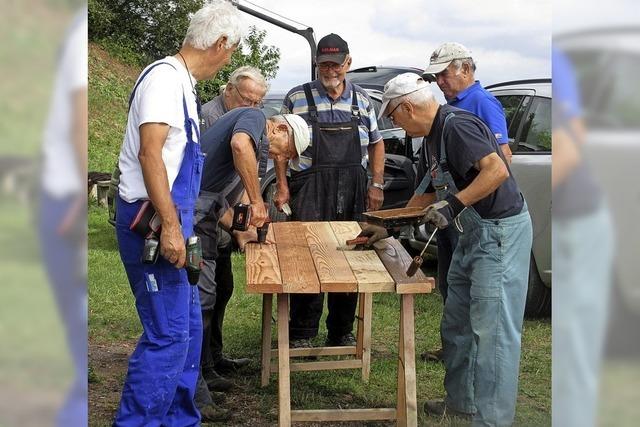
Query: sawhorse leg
pixel 363 342
pixel 407 409
pixel 284 386
pixel 267 304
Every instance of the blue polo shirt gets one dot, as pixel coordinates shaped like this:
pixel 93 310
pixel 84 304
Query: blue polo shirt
pixel 330 111
pixel 483 104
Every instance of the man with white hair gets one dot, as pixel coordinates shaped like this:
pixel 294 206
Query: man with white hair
pixel 161 163
pixel 452 67
pixel 466 186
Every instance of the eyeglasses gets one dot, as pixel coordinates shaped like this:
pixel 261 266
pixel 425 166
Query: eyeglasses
pixel 390 115
pixel 248 102
pixel 325 66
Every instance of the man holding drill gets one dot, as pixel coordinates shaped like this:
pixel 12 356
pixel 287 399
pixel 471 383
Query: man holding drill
pixel 237 145
pixel 161 163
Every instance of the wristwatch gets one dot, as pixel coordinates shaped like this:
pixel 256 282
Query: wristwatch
pixel 376 185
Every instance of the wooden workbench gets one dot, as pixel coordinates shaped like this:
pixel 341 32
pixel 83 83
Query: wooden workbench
pixel 309 257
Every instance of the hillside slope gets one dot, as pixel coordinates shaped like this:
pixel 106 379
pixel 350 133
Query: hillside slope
pixel 110 82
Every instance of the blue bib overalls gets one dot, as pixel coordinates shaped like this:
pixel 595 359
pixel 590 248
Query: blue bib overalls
pixel 163 369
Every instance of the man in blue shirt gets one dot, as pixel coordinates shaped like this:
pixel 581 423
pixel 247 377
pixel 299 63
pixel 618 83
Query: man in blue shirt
pixel 452 68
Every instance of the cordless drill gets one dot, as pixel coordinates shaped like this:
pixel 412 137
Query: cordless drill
pixel 242 219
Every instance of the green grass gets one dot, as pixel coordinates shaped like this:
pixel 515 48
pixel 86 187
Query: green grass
pixel 113 319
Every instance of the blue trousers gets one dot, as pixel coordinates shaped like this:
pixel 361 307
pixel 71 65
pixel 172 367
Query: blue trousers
pixel 483 314
pixel 583 250
pixel 163 369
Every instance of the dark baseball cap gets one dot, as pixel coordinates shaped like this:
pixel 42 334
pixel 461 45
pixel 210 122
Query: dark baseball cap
pixel 332 48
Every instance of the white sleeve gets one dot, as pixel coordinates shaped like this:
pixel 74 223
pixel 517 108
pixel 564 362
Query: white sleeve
pixel 159 97
pixel 74 60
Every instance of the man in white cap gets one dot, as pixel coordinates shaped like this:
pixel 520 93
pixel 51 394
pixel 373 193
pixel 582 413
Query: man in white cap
pixel 467 187
pixel 452 67
pixel 237 145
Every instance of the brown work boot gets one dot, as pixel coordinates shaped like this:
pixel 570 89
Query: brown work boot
pixel 213 413
pixel 432 356
pixel 215 382
pixel 439 408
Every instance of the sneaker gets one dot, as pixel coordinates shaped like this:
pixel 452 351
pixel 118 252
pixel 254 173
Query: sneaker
pixel 342 341
pixel 213 413
pixel 215 382
pixel 300 343
pixel 230 366
pixel 439 408
pixel 432 356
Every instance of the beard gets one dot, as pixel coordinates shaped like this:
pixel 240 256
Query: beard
pixel 330 82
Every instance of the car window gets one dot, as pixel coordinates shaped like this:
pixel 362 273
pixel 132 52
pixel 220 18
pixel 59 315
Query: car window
pixel 385 122
pixel 510 105
pixel 271 107
pixel 536 130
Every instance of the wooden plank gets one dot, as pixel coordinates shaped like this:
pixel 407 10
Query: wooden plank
pixel 367 302
pixel 319 351
pixel 284 382
pixel 401 403
pixel 267 304
pixel 396 260
pixel 345 230
pixel 371 274
pixel 262 269
pixel 332 267
pixel 409 357
pixel 374 414
pixel 296 264
pixel 326 365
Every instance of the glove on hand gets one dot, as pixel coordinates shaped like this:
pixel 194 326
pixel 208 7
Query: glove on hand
pixel 442 213
pixel 374 233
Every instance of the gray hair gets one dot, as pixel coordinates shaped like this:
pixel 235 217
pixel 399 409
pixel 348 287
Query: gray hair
pixel 248 72
pixel 457 63
pixel 217 18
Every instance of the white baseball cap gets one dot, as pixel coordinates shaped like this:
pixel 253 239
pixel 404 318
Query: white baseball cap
pixel 402 84
pixel 443 56
pixel 300 128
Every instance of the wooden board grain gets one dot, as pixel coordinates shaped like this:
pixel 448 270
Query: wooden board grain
pixel 332 267
pixel 262 269
pixel 345 230
pixel 396 260
pixel 296 264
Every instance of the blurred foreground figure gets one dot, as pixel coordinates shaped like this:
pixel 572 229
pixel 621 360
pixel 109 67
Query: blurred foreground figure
pixel 582 260
pixel 63 208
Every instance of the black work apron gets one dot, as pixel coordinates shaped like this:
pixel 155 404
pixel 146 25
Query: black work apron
pixel 335 186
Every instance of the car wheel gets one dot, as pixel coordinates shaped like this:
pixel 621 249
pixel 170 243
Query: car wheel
pixel 267 196
pixel 538 302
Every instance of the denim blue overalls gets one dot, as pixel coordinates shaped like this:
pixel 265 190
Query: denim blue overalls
pixel 163 369
pixel 482 319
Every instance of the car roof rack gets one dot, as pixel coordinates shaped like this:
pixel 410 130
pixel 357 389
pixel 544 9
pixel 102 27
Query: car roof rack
pixel 519 82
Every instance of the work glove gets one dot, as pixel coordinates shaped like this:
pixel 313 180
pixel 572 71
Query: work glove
pixel 374 233
pixel 442 213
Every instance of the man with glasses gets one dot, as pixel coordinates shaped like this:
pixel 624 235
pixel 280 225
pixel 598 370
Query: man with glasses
pixel 467 187
pixel 246 88
pixel 452 67
pixel 329 180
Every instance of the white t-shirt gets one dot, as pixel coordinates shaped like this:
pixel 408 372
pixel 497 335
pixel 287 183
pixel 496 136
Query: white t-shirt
pixel 158 99
pixel 60 171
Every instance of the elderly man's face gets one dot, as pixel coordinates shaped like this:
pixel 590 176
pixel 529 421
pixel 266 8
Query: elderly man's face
pixel 451 81
pixel 247 93
pixel 331 74
pixel 281 145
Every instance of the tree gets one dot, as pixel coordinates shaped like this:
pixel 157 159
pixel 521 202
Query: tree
pixel 148 29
